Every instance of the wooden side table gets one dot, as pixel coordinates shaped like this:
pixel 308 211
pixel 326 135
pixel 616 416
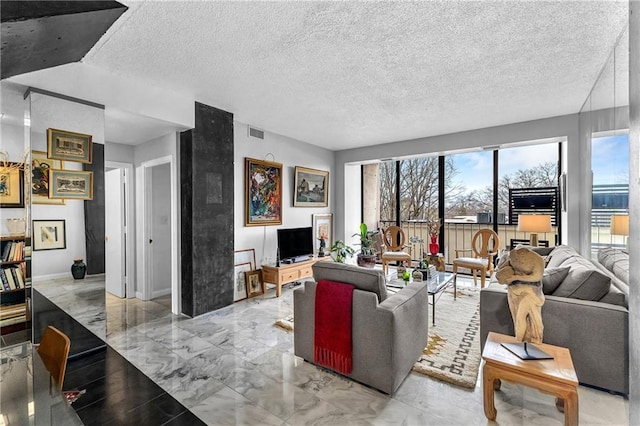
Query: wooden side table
pixel 437 260
pixel 552 376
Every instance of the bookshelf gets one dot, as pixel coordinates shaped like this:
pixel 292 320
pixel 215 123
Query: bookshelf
pixel 15 283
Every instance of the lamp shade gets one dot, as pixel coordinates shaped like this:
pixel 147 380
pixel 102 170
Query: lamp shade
pixel 534 223
pixel 620 224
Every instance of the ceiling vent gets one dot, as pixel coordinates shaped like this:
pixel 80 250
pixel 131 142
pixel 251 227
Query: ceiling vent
pixel 255 133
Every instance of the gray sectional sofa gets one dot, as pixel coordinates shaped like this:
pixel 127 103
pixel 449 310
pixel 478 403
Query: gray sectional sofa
pixel 586 310
pixel 389 333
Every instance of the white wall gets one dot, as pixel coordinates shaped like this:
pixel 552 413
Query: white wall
pixel 119 153
pixel 290 153
pixel 53 112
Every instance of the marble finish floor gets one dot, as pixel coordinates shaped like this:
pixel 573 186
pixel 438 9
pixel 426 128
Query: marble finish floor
pixel 233 366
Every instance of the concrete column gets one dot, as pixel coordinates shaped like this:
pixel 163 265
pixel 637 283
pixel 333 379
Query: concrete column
pixel 206 185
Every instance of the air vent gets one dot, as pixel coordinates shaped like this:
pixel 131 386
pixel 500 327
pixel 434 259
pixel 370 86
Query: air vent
pixel 255 133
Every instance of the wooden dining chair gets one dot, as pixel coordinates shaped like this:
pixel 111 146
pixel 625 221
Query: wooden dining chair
pixel 393 238
pixel 54 350
pixel 484 248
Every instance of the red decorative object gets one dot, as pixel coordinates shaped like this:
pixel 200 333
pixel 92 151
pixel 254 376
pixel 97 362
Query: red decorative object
pixel 434 247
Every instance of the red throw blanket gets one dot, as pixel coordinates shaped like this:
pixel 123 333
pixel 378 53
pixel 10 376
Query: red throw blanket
pixel 332 338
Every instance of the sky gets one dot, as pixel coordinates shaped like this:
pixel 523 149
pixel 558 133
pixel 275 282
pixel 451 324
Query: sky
pixel 610 162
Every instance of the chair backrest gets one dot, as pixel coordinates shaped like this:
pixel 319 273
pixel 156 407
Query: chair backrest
pixel 485 243
pixel 394 238
pixel 54 350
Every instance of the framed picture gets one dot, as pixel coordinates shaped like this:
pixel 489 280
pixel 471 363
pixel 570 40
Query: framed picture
pixel 239 281
pixel 71 184
pixel 322 229
pixel 40 166
pixel 245 256
pixel 254 283
pixel 49 235
pixel 263 193
pixel 70 146
pixel 11 185
pixel 311 188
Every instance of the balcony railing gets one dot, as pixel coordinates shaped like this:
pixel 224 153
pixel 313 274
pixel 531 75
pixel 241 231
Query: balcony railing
pixel 458 236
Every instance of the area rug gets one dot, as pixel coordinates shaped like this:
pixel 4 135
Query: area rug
pixel 453 349
pixel 452 353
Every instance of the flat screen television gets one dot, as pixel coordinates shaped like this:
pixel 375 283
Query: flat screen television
pixel 293 242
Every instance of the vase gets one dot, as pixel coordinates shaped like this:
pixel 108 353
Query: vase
pixel 78 269
pixel 434 247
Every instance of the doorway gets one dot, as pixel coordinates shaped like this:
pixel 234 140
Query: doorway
pixel 157 236
pixel 118 229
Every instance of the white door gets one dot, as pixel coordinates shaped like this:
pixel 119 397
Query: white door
pixel 114 245
pixel 159 218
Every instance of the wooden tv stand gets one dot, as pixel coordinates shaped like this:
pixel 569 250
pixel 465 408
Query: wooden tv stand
pixel 288 273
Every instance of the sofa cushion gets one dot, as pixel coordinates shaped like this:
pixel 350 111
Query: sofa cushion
pixel 366 279
pixel 560 255
pixel 616 261
pixel 583 281
pixel 552 277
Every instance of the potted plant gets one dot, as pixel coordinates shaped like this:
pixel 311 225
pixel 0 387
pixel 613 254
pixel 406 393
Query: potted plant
pixel 367 256
pixel 342 251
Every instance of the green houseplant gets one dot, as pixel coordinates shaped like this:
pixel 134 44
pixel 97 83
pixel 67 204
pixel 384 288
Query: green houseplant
pixel 367 256
pixel 341 251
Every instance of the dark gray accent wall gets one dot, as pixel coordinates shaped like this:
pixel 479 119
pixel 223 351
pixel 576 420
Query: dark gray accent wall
pixel 94 214
pixel 207 214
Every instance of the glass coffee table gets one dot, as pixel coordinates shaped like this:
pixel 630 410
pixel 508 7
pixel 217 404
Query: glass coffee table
pixel 436 285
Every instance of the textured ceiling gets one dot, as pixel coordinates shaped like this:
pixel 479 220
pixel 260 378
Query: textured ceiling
pixel 349 74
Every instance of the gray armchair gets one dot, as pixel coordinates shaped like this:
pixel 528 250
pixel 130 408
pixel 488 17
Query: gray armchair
pixel 388 333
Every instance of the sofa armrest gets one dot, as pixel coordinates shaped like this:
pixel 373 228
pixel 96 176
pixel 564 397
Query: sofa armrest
pixel 596 333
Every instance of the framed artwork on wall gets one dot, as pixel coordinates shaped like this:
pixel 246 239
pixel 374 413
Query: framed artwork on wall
pixel 239 281
pixel 71 184
pixel 254 283
pixel 40 166
pixel 263 192
pixel 311 188
pixel 49 235
pixel 11 185
pixel 70 146
pixel 322 229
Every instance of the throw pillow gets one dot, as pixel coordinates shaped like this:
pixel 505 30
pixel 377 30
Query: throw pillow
pixel 552 277
pixel 583 282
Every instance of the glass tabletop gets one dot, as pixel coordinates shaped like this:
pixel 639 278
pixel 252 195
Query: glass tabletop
pixel 435 284
pixel 29 394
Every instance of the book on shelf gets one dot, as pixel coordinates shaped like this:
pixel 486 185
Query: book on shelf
pixel 12 311
pixel 5 282
pixel 7 273
pixel 16 272
pixel 5 252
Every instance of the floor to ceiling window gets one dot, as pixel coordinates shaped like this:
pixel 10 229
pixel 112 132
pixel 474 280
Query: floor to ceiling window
pixel 610 193
pixel 469 201
pixel 527 184
pixel 469 191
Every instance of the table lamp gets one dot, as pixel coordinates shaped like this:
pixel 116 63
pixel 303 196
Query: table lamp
pixel 534 223
pixel 620 224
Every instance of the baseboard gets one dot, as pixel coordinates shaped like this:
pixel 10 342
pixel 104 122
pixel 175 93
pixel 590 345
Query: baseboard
pixel 160 293
pixel 48 277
